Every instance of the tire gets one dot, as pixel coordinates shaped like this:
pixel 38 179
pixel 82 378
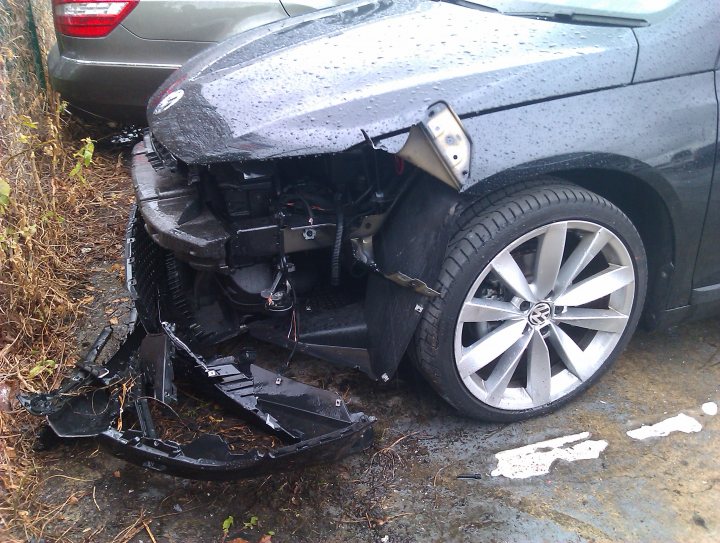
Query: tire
pixel 521 327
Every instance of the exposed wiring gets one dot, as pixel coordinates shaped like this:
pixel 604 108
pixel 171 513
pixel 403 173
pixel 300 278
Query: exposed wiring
pixel 308 208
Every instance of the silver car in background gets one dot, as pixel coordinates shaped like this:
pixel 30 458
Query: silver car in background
pixel 111 55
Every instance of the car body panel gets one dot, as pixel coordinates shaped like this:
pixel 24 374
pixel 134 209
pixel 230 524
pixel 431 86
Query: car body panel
pixel 200 20
pixel 92 87
pixel 116 73
pixel 114 76
pixel 685 41
pixel 672 149
pixel 316 86
pixel 707 268
pixel 122 47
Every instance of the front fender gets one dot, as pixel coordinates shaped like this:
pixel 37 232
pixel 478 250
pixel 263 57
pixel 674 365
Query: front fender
pixel 663 132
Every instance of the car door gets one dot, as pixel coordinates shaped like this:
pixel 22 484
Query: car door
pixel 706 281
pixel 688 58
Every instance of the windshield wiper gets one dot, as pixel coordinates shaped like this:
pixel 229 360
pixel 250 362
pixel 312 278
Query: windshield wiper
pixel 580 18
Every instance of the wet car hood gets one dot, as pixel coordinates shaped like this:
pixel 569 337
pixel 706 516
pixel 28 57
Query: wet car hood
pixel 319 83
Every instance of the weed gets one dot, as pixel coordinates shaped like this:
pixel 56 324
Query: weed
pixel 46 216
pixel 227 524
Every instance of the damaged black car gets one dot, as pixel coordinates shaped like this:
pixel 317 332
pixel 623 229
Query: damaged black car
pixel 497 192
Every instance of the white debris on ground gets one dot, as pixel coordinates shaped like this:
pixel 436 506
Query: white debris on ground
pixel 678 423
pixel 536 459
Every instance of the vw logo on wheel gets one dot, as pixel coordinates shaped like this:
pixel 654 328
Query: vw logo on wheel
pixel 540 314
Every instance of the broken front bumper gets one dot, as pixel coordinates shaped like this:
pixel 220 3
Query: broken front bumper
pixel 113 401
pixel 98 401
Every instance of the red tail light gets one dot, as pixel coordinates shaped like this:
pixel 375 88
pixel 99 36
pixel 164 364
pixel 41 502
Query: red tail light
pixel 90 18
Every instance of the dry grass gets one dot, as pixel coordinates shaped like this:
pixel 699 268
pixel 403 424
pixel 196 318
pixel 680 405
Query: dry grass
pixel 46 221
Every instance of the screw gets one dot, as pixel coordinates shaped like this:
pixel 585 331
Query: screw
pixel 278 381
pixel 385 378
pixel 212 373
pixel 338 402
pixel 419 308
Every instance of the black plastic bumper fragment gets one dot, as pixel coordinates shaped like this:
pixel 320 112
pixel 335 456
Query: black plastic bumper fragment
pixel 314 424
pixel 164 197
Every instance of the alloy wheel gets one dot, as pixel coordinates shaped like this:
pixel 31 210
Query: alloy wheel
pixel 544 315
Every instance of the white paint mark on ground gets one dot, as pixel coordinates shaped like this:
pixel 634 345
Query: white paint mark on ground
pixel 710 408
pixel 678 423
pixel 536 459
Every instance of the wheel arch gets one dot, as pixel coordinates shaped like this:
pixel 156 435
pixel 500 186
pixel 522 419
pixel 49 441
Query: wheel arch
pixel 648 211
pixel 646 197
pixel 643 194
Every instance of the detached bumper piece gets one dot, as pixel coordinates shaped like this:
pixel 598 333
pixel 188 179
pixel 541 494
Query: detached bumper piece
pixel 113 403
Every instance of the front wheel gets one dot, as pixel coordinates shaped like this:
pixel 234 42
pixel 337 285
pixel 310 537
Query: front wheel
pixel 541 289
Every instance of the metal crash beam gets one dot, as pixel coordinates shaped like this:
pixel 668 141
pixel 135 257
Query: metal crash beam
pixel 96 401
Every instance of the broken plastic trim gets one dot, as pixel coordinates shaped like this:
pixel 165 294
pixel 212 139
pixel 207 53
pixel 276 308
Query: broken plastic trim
pixel 314 423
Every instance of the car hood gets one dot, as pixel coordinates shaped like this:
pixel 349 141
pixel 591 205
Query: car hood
pixel 327 81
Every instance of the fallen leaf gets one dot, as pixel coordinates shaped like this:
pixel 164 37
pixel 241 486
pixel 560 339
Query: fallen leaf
pixel 238 540
pixel 72 500
pixel 267 538
pixel 114 321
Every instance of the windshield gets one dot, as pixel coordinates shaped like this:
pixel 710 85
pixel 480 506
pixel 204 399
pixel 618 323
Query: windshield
pixel 615 8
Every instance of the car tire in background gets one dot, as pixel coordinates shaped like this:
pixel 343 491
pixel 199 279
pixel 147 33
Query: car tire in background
pixel 541 289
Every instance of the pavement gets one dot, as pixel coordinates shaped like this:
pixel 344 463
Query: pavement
pixel 435 476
